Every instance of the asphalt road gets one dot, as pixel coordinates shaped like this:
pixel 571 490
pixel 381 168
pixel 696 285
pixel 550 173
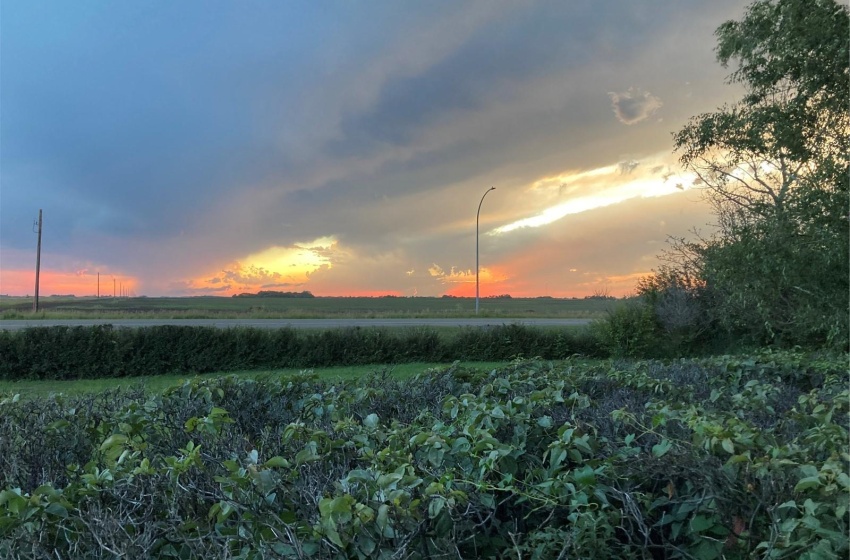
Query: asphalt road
pixel 293 323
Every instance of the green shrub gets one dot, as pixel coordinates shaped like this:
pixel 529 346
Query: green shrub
pixel 631 329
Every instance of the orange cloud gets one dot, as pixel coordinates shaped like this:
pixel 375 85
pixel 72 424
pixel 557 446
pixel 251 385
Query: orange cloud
pixel 455 276
pixel 491 281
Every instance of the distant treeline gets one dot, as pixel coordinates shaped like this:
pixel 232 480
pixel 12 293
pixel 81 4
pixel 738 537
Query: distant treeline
pixel 274 294
pixel 500 296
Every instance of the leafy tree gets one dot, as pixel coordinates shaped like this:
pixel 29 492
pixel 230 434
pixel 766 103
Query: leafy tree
pixel 775 166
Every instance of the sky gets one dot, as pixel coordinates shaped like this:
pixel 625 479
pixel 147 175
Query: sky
pixel 213 148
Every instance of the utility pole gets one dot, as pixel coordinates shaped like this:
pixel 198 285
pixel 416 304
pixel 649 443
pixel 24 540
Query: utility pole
pixel 37 263
pixel 113 288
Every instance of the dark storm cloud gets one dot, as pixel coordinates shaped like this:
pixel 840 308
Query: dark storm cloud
pixel 495 64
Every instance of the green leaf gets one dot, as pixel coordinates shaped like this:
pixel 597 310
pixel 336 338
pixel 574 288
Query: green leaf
pixel 435 506
pixel 388 481
pixel 487 500
pixel 57 509
pixel 435 456
pixel 742 458
pixel 371 421
pixel 700 523
pixel 383 523
pixel 191 424
pixel 113 441
pixel 810 507
pixel 276 461
pixel 306 456
pixel 460 445
pixel 443 526
pixel 544 421
pixel 331 533
pixel 366 544
pixel 342 505
pixel 661 449
pixel 809 470
pixel 325 505
pixel 310 548
pixel 508 465
pixel 585 476
pixel 806 483
pixel 728 446
pixel 708 550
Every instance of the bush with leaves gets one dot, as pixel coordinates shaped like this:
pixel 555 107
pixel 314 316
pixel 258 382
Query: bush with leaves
pixel 735 457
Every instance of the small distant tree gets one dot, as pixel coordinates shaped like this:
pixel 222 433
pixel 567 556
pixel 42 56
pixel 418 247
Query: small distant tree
pixel 775 168
pixel 600 292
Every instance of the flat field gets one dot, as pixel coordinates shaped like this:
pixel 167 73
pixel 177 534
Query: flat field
pixel 300 308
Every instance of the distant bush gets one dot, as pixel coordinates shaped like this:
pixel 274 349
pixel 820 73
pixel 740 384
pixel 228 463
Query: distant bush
pixel 104 351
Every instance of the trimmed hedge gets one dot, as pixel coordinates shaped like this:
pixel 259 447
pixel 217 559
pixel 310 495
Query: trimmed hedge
pixel 104 351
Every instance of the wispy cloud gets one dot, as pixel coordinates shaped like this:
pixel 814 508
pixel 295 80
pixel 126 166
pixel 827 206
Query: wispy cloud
pixel 605 186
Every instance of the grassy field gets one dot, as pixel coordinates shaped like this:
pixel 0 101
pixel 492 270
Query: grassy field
pixel 156 383
pixel 300 308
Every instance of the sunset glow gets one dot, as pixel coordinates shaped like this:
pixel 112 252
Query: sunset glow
pixel 294 263
pixel 275 268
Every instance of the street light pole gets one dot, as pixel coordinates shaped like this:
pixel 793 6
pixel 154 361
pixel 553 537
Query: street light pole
pixel 37 264
pixel 476 245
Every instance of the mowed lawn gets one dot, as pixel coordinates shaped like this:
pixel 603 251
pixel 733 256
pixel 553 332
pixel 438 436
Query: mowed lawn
pixel 318 307
pixel 156 383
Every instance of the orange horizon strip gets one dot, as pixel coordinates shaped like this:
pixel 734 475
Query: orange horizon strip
pixel 21 283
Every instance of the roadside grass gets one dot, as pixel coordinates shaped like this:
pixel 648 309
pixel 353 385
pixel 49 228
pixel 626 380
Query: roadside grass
pixel 28 389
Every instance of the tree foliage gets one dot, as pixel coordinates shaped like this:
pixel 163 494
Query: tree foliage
pixel 775 167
